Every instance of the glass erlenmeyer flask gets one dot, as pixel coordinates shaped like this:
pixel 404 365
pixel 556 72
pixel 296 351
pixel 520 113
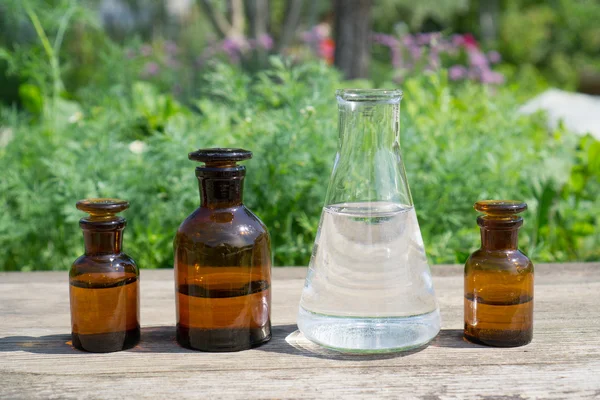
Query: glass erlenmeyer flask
pixel 369 286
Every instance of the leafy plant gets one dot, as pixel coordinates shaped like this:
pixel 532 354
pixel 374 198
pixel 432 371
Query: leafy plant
pixel 562 38
pixel 106 128
pixel 460 144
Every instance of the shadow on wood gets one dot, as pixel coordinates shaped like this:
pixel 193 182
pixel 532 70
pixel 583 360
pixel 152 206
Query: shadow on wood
pixel 158 339
pixel 286 340
pixel 453 339
pixel 50 344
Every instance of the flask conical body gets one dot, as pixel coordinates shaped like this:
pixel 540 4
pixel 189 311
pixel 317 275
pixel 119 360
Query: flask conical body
pixel 369 286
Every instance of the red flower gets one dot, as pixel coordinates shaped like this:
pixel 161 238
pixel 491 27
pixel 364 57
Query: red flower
pixel 327 50
pixel 470 42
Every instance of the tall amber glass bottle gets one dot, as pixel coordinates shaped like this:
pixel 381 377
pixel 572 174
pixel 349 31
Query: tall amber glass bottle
pixel 222 262
pixel 104 282
pixel 499 280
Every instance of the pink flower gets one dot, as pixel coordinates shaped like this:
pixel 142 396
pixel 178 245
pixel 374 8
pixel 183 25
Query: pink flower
pixel 477 59
pixel 322 30
pixel 151 69
pixel 385 40
pixel 458 40
pixel 315 34
pixel 408 40
pixel 457 72
pixel 494 57
pixel 415 52
pixel 265 41
pixel 491 77
pixel 423 38
pixel 230 46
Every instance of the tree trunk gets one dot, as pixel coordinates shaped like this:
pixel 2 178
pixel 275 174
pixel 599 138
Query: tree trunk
pixel 352 37
pixel 223 27
pixel 293 11
pixel 258 13
pixel 488 19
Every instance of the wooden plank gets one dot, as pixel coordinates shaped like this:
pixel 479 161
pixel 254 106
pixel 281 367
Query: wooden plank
pixel 562 361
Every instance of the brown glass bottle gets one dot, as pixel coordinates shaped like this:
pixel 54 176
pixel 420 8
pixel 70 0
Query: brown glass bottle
pixel 222 262
pixel 104 282
pixel 499 280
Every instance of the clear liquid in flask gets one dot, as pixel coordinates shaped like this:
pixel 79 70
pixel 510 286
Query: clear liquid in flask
pixel 369 287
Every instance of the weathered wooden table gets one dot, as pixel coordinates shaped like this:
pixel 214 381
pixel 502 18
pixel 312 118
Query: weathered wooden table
pixel 563 361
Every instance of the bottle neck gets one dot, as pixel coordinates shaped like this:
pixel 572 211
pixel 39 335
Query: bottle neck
pixel 499 240
pixel 221 193
pixel 499 234
pixel 103 242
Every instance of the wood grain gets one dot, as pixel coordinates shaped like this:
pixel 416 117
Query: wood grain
pixel 563 361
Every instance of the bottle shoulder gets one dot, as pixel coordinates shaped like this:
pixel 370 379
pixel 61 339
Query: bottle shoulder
pixel 104 263
pixel 258 222
pixel 507 260
pixel 236 215
pixel 234 225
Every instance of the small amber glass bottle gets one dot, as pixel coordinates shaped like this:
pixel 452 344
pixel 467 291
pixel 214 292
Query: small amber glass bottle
pixel 222 262
pixel 104 282
pixel 499 280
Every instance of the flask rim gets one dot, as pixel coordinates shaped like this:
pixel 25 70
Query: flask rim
pixel 389 96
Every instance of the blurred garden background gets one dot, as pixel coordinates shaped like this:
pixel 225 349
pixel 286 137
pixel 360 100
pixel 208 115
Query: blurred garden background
pixel 105 98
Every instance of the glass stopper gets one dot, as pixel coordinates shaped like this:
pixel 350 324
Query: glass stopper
pixel 102 208
pixel 500 208
pixel 220 156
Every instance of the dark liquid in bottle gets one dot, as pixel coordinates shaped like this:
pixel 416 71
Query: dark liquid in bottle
pixel 225 313
pixel 499 323
pixel 105 311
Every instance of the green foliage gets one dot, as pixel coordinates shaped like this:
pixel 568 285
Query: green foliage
pixel 562 37
pixel 569 222
pixel 386 13
pixel 526 33
pixel 460 144
pixel 466 149
pixel 91 124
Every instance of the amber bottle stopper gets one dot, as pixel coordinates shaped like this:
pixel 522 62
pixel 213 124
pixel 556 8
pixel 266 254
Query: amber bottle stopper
pixel 102 210
pixel 220 157
pixel 500 208
pixel 500 213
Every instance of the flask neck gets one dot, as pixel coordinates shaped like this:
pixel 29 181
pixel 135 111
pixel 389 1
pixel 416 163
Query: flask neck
pixel 499 234
pixel 103 242
pixel 221 187
pixel 368 165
